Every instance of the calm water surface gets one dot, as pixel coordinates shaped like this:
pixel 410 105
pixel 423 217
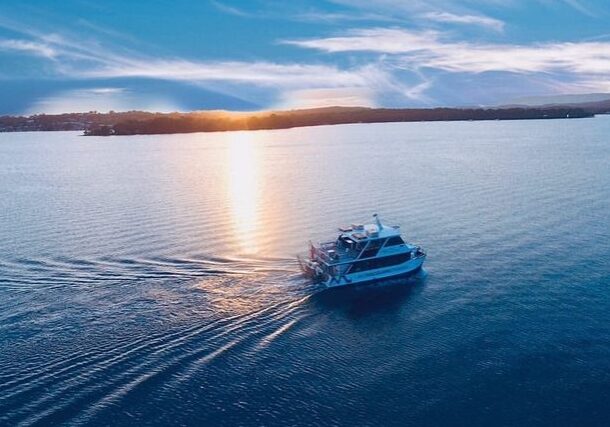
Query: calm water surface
pixel 151 280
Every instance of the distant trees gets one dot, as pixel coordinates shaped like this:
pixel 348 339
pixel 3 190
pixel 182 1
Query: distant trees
pixel 100 130
pixel 209 122
pixel 139 122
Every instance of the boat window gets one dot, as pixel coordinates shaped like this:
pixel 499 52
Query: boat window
pixel 346 242
pixel 370 252
pixel 376 243
pixel 372 248
pixel 379 262
pixel 395 240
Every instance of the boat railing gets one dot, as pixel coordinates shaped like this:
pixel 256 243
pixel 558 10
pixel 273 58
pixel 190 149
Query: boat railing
pixel 323 255
pixel 340 255
pixel 328 245
pixel 419 253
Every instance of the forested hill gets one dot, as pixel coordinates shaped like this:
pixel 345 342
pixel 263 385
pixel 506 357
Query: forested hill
pixel 211 122
pixel 137 122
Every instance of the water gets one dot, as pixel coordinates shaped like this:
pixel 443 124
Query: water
pixel 151 280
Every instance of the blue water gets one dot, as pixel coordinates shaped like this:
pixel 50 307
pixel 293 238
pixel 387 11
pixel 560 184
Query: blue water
pixel 151 280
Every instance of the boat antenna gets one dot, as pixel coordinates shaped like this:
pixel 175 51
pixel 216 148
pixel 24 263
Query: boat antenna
pixel 379 224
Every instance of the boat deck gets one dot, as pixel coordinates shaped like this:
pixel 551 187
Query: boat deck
pixel 359 251
pixel 333 255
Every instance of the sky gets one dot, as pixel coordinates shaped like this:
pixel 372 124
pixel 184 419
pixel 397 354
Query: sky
pixel 179 55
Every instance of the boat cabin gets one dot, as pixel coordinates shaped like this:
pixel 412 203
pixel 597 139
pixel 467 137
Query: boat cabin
pixel 362 252
pixel 360 242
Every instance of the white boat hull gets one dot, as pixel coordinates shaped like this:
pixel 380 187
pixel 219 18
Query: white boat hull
pixel 385 273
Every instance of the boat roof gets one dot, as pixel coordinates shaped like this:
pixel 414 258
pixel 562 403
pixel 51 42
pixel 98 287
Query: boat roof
pixel 360 232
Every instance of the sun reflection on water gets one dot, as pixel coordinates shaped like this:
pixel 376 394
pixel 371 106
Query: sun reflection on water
pixel 243 177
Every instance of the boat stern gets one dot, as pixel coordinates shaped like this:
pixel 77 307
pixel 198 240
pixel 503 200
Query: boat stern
pixel 310 268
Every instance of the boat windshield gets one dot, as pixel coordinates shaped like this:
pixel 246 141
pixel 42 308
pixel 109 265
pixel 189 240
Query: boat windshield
pixel 372 248
pixel 346 242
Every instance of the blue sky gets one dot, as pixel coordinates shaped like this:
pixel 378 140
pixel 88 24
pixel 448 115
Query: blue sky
pixel 178 55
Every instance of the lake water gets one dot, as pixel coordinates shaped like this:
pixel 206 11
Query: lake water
pixel 151 280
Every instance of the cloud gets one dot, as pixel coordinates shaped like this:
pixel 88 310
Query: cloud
pixel 101 99
pixel 579 58
pixel 265 74
pixel 228 9
pixel 27 46
pixel 465 7
pixel 105 31
pixel 451 18
pixel 380 65
pixel 473 13
pixel 578 6
pixel 432 49
pixel 555 67
pixel 447 11
pixel 84 59
pixel 333 17
pixel 345 97
pixel 381 40
pixel 90 60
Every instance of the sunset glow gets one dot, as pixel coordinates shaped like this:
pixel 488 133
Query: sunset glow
pixel 264 55
pixel 242 170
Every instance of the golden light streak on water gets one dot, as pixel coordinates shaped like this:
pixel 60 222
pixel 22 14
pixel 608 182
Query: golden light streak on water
pixel 244 193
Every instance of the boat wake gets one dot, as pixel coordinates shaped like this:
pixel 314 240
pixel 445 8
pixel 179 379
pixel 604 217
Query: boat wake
pixel 179 317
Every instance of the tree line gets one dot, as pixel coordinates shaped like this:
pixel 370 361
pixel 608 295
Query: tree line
pixel 214 122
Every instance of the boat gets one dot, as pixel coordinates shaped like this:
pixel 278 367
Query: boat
pixel 362 253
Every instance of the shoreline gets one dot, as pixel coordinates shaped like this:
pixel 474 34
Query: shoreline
pixel 210 122
pixel 145 123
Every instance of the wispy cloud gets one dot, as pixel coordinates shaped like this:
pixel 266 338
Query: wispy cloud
pixel 29 47
pixel 435 50
pixel 231 10
pixel 452 18
pixel 468 12
pixel 397 7
pixel 105 31
pixel 556 67
pixel 83 59
pixel 278 11
pixel 448 11
pixel 334 17
pixel 91 59
pixel 309 98
pixel 381 40
pixel 97 99
pixel 259 73
pixel 375 62
pixel 574 4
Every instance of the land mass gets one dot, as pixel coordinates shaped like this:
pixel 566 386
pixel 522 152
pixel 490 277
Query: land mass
pixel 584 99
pixel 139 122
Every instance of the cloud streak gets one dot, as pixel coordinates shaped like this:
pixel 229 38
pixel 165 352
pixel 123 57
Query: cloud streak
pixel 90 60
pixel 379 40
pixel 403 8
pixel 452 18
pixel 371 64
pixel 97 99
pixel 85 59
pixel 432 49
pixel 228 9
pixel 258 73
pixel 28 47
